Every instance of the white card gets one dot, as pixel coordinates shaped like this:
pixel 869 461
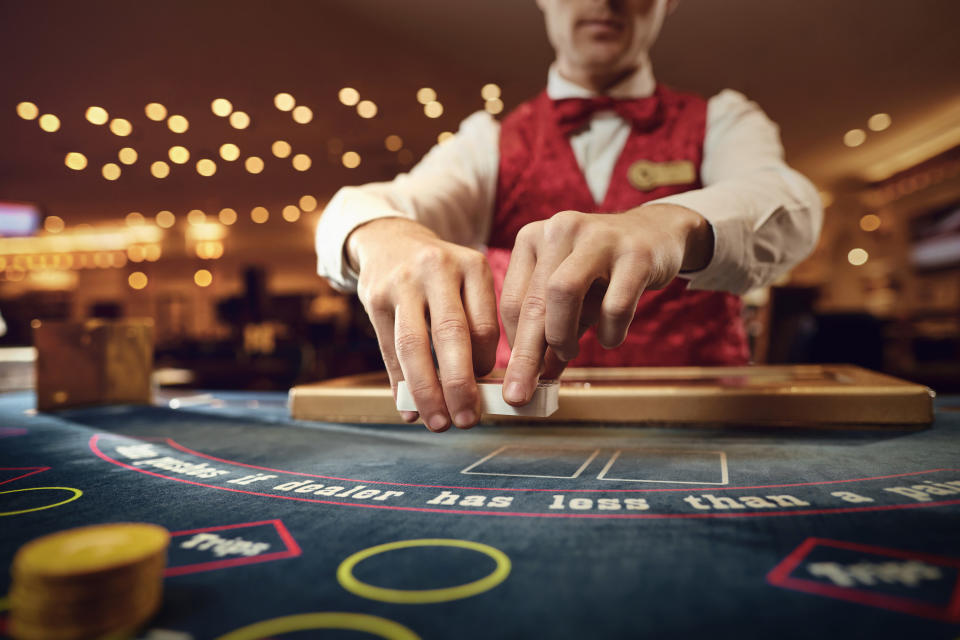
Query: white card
pixel 544 402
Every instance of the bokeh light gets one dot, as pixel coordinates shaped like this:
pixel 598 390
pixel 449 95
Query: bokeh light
pixel 444 136
pixel 135 219
pixel 229 151
pixel 221 107
pixel 879 122
pixel 177 124
pixel 121 127
pixel 160 169
pixel 137 280
pixel 284 101
pixel 433 109
pixel 291 213
pixel 206 167
pixel 27 110
pixel 49 122
pixel 367 109
pixel 854 137
pixel 155 111
pixel 53 224
pixel 301 162
pixel 393 142
pixel 203 278
pixel 349 96
pixel 493 106
pixel 857 257
pixel 97 115
pixel 253 164
pixel 179 154
pixel 281 148
pixel 870 222
pixel 259 215
pixel 165 219
pixel 239 120
pixel 76 161
pixel 426 95
pixel 227 216
pixel 111 171
pixel 196 216
pixel 127 155
pixel 351 159
pixel 302 114
pixel 490 91
pixel 308 203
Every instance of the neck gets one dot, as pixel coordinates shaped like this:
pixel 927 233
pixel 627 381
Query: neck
pixel 598 82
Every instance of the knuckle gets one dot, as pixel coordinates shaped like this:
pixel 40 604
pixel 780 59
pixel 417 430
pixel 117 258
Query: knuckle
pixel 534 306
pixel 563 290
pixel 484 332
pixel 510 306
pixel 449 329
pixel 525 359
pixel 459 384
pixel 409 343
pixel 431 258
pixel 422 390
pixel 620 310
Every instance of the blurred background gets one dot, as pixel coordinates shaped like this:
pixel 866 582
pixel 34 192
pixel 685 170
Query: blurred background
pixel 170 160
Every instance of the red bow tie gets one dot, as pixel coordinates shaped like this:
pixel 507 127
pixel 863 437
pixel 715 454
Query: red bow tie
pixel 574 113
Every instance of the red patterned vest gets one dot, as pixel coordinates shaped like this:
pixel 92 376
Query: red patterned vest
pixel 539 176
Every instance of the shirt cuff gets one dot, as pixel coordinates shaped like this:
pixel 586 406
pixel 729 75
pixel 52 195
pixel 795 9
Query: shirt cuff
pixel 347 210
pixel 728 269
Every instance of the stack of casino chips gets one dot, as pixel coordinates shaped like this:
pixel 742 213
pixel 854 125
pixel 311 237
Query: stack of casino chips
pixel 88 582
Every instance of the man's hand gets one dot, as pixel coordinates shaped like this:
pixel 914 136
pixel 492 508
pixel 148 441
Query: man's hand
pixel 576 270
pixel 415 286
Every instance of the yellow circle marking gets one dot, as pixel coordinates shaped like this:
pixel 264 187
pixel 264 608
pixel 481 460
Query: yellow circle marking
pixel 423 596
pixel 328 620
pixel 76 494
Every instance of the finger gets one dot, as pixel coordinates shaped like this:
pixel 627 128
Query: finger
pixel 412 342
pixel 523 261
pixel 382 320
pixel 566 290
pixel 628 279
pixel 480 306
pixel 451 343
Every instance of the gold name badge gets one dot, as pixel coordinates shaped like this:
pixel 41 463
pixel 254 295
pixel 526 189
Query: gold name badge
pixel 646 175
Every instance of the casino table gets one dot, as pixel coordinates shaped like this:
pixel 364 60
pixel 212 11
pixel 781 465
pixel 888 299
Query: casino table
pixel 297 529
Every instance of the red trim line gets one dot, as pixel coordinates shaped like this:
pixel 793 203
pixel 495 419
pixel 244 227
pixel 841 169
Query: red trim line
pixel 21 477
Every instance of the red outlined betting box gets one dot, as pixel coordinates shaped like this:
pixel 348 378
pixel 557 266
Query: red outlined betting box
pixel 275 529
pixel 787 574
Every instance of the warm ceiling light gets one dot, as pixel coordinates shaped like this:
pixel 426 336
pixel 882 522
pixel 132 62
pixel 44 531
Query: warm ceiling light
pixel 854 137
pixel 206 167
pixel 239 120
pixel 136 253
pixel 179 155
pixel 127 155
pixel 351 159
pixel 367 109
pixel 153 252
pixel 53 224
pixel 493 106
pixel 155 111
pixel 490 91
pixel 203 278
pixel 27 110
pixel 393 142
pixel 49 122
pixel 259 215
pixel 137 280
pixel 97 115
pixel 160 169
pixel 221 107
pixel 253 164
pixel 281 148
pixel 857 257
pixel 76 161
pixel 284 101
pixel 229 152
pixel 302 114
pixel 349 96
pixel 870 222
pixel 121 127
pixel 301 162
pixel 291 213
pixel 196 216
pixel 308 203
pixel 178 124
pixel 444 136
pixel 879 121
pixel 111 171
pixel 227 216
pixel 433 109
pixel 165 219
pixel 426 95
pixel 135 219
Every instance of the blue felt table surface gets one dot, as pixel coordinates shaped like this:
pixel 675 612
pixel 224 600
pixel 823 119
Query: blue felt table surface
pixel 610 531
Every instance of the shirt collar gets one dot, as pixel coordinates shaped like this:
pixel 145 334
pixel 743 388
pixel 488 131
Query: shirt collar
pixel 639 84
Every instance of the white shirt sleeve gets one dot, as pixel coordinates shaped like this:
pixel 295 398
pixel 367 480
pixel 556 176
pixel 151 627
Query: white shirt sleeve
pixel 766 217
pixel 451 191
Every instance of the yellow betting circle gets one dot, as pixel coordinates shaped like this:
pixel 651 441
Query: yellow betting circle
pixel 76 494
pixel 382 627
pixel 423 596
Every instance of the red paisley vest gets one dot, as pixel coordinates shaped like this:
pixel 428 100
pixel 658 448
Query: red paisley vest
pixel 539 176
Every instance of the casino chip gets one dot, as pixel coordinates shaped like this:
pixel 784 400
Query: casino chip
pixel 88 582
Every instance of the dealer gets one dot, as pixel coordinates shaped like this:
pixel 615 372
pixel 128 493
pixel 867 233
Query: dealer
pixel 631 216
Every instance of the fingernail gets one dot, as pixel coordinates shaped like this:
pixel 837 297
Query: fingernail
pixel 438 422
pixel 409 416
pixel 514 393
pixel 465 418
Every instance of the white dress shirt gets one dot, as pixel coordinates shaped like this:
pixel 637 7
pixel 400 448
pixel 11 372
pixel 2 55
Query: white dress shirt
pixel 765 216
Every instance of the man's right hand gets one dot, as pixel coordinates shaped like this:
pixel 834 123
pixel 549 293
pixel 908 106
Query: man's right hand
pixel 415 286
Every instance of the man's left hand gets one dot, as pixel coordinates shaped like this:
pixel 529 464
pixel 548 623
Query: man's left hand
pixel 576 270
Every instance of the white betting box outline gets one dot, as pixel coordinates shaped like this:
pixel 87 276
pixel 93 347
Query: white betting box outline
pixel 724 475
pixel 468 471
